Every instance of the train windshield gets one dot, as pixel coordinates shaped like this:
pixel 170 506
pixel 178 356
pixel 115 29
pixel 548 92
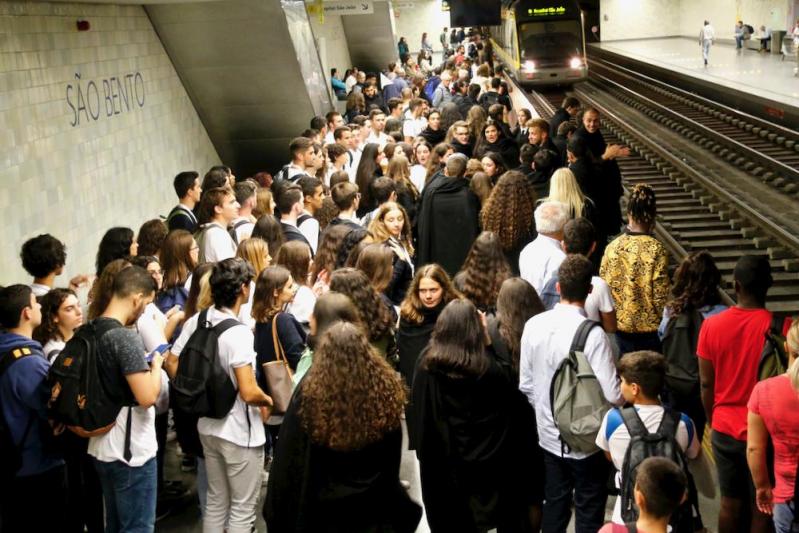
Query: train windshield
pixel 550 41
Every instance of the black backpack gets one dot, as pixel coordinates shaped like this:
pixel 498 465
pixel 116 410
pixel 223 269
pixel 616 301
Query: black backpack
pixel 10 450
pixel 79 398
pixel 201 386
pixel 679 349
pixel 662 443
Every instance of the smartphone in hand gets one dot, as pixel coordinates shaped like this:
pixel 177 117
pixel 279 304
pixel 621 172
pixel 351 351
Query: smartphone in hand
pixel 162 349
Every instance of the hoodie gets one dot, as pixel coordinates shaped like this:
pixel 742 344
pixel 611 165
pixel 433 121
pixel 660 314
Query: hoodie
pixel 24 394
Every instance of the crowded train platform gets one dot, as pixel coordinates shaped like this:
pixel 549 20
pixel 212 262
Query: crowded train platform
pixel 441 303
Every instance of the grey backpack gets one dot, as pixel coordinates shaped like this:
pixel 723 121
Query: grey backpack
pixel 578 403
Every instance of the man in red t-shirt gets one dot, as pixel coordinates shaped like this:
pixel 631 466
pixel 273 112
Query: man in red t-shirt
pixel 729 348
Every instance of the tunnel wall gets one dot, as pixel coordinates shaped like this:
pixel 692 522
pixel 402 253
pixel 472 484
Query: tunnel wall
pixel 93 127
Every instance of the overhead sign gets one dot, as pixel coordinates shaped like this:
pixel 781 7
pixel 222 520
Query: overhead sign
pixel 547 11
pixel 347 7
pixel 403 5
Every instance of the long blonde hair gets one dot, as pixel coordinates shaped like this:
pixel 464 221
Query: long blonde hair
pixel 256 252
pixel 563 187
pixel 380 232
pixel 792 342
pixel 399 169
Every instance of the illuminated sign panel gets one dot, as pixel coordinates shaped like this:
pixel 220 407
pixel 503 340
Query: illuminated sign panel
pixel 547 11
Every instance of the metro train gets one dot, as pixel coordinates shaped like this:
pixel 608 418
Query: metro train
pixel 541 42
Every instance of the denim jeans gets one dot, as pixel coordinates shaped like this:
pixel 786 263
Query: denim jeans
pixel 130 494
pixel 587 480
pixel 739 42
pixel 783 517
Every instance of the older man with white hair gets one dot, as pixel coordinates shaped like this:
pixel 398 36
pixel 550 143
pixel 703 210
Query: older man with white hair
pixel 541 258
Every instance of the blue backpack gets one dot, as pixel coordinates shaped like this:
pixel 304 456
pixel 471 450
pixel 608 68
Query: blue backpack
pixel 431 86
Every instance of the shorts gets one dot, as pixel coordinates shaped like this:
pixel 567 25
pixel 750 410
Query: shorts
pixel 735 481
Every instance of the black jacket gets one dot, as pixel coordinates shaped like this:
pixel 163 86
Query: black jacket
pixel 433 137
pixel 476 442
pixel 181 218
pixel 505 147
pixel 314 489
pixel 464 103
pixel 560 116
pixel 610 187
pixel 465 149
pixel 448 208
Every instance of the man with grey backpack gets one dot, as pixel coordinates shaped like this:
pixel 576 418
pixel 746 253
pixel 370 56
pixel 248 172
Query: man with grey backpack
pixel 568 373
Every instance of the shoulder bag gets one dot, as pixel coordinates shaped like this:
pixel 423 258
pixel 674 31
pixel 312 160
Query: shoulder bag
pixel 277 375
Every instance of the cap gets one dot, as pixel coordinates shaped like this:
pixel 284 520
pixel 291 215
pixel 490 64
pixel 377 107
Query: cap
pixel 752 271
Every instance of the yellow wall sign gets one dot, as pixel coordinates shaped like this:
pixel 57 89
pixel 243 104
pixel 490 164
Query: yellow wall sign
pixel 547 11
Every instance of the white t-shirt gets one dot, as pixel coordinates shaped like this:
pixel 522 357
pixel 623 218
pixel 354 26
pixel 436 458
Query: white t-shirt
pixel 539 260
pixel 614 438
pixel 39 290
pixel 310 230
pixel 599 300
pixel 244 230
pixel 302 305
pixel 418 174
pixel 217 244
pixel 245 311
pixel 150 326
pixel 236 349
pixel 413 127
pixel 52 348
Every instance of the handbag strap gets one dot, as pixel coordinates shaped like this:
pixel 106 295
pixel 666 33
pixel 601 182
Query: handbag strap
pixel 279 354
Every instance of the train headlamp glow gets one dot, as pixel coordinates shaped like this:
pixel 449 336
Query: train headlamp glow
pixel 528 66
pixel 576 62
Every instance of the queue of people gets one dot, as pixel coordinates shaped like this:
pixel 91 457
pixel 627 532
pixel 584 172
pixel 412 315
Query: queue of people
pixel 417 265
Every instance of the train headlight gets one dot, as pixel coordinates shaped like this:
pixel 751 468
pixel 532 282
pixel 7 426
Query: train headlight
pixel 576 62
pixel 528 66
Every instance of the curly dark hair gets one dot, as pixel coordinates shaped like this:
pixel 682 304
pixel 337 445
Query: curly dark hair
pixel 43 255
pixel 641 205
pixel 509 210
pixel 457 345
pixel 516 304
pixel 115 244
pixel 51 302
pixel 227 278
pixel 151 237
pixel 350 397
pixel 327 251
pixel 373 312
pixel 696 283
pixel 483 272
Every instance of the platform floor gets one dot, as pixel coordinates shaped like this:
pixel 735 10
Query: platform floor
pixel 765 75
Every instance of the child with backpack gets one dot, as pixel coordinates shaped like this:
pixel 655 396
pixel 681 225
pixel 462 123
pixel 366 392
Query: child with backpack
pixel 626 432
pixel 659 491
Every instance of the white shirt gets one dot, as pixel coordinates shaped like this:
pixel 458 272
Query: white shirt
pixel 545 343
pixel 217 244
pixel 110 447
pixel 243 231
pixel 614 438
pixel 294 170
pixel 380 139
pixel 150 326
pixel 235 351
pixel 302 305
pixel 539 260
pixel 708 33
pixel 356 160
pixel 52 348
pixel 39 290
pixel 350 82
pixel 413 127
pixel 599 300
pixel 245 311
pixel 310 230
pixel 418 174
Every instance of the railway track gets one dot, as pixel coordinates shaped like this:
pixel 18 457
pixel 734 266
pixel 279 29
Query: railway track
pixel 765 150
pixel 696 212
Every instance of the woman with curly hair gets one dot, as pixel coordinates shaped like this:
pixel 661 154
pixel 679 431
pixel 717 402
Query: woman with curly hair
pixel 509 213
pixel 337 467
pixel 392 227
pixel 374 314
pixel 635 266
pixel 694 297
pixel 516 304
pixel 61 316
pixel 475 476
pixel 483 272
pixel 117 243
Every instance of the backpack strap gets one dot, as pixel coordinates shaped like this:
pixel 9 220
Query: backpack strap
pixel 670 422
pixel 225 325
pixel 581 335
pixel 635 427
pixel 302 218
